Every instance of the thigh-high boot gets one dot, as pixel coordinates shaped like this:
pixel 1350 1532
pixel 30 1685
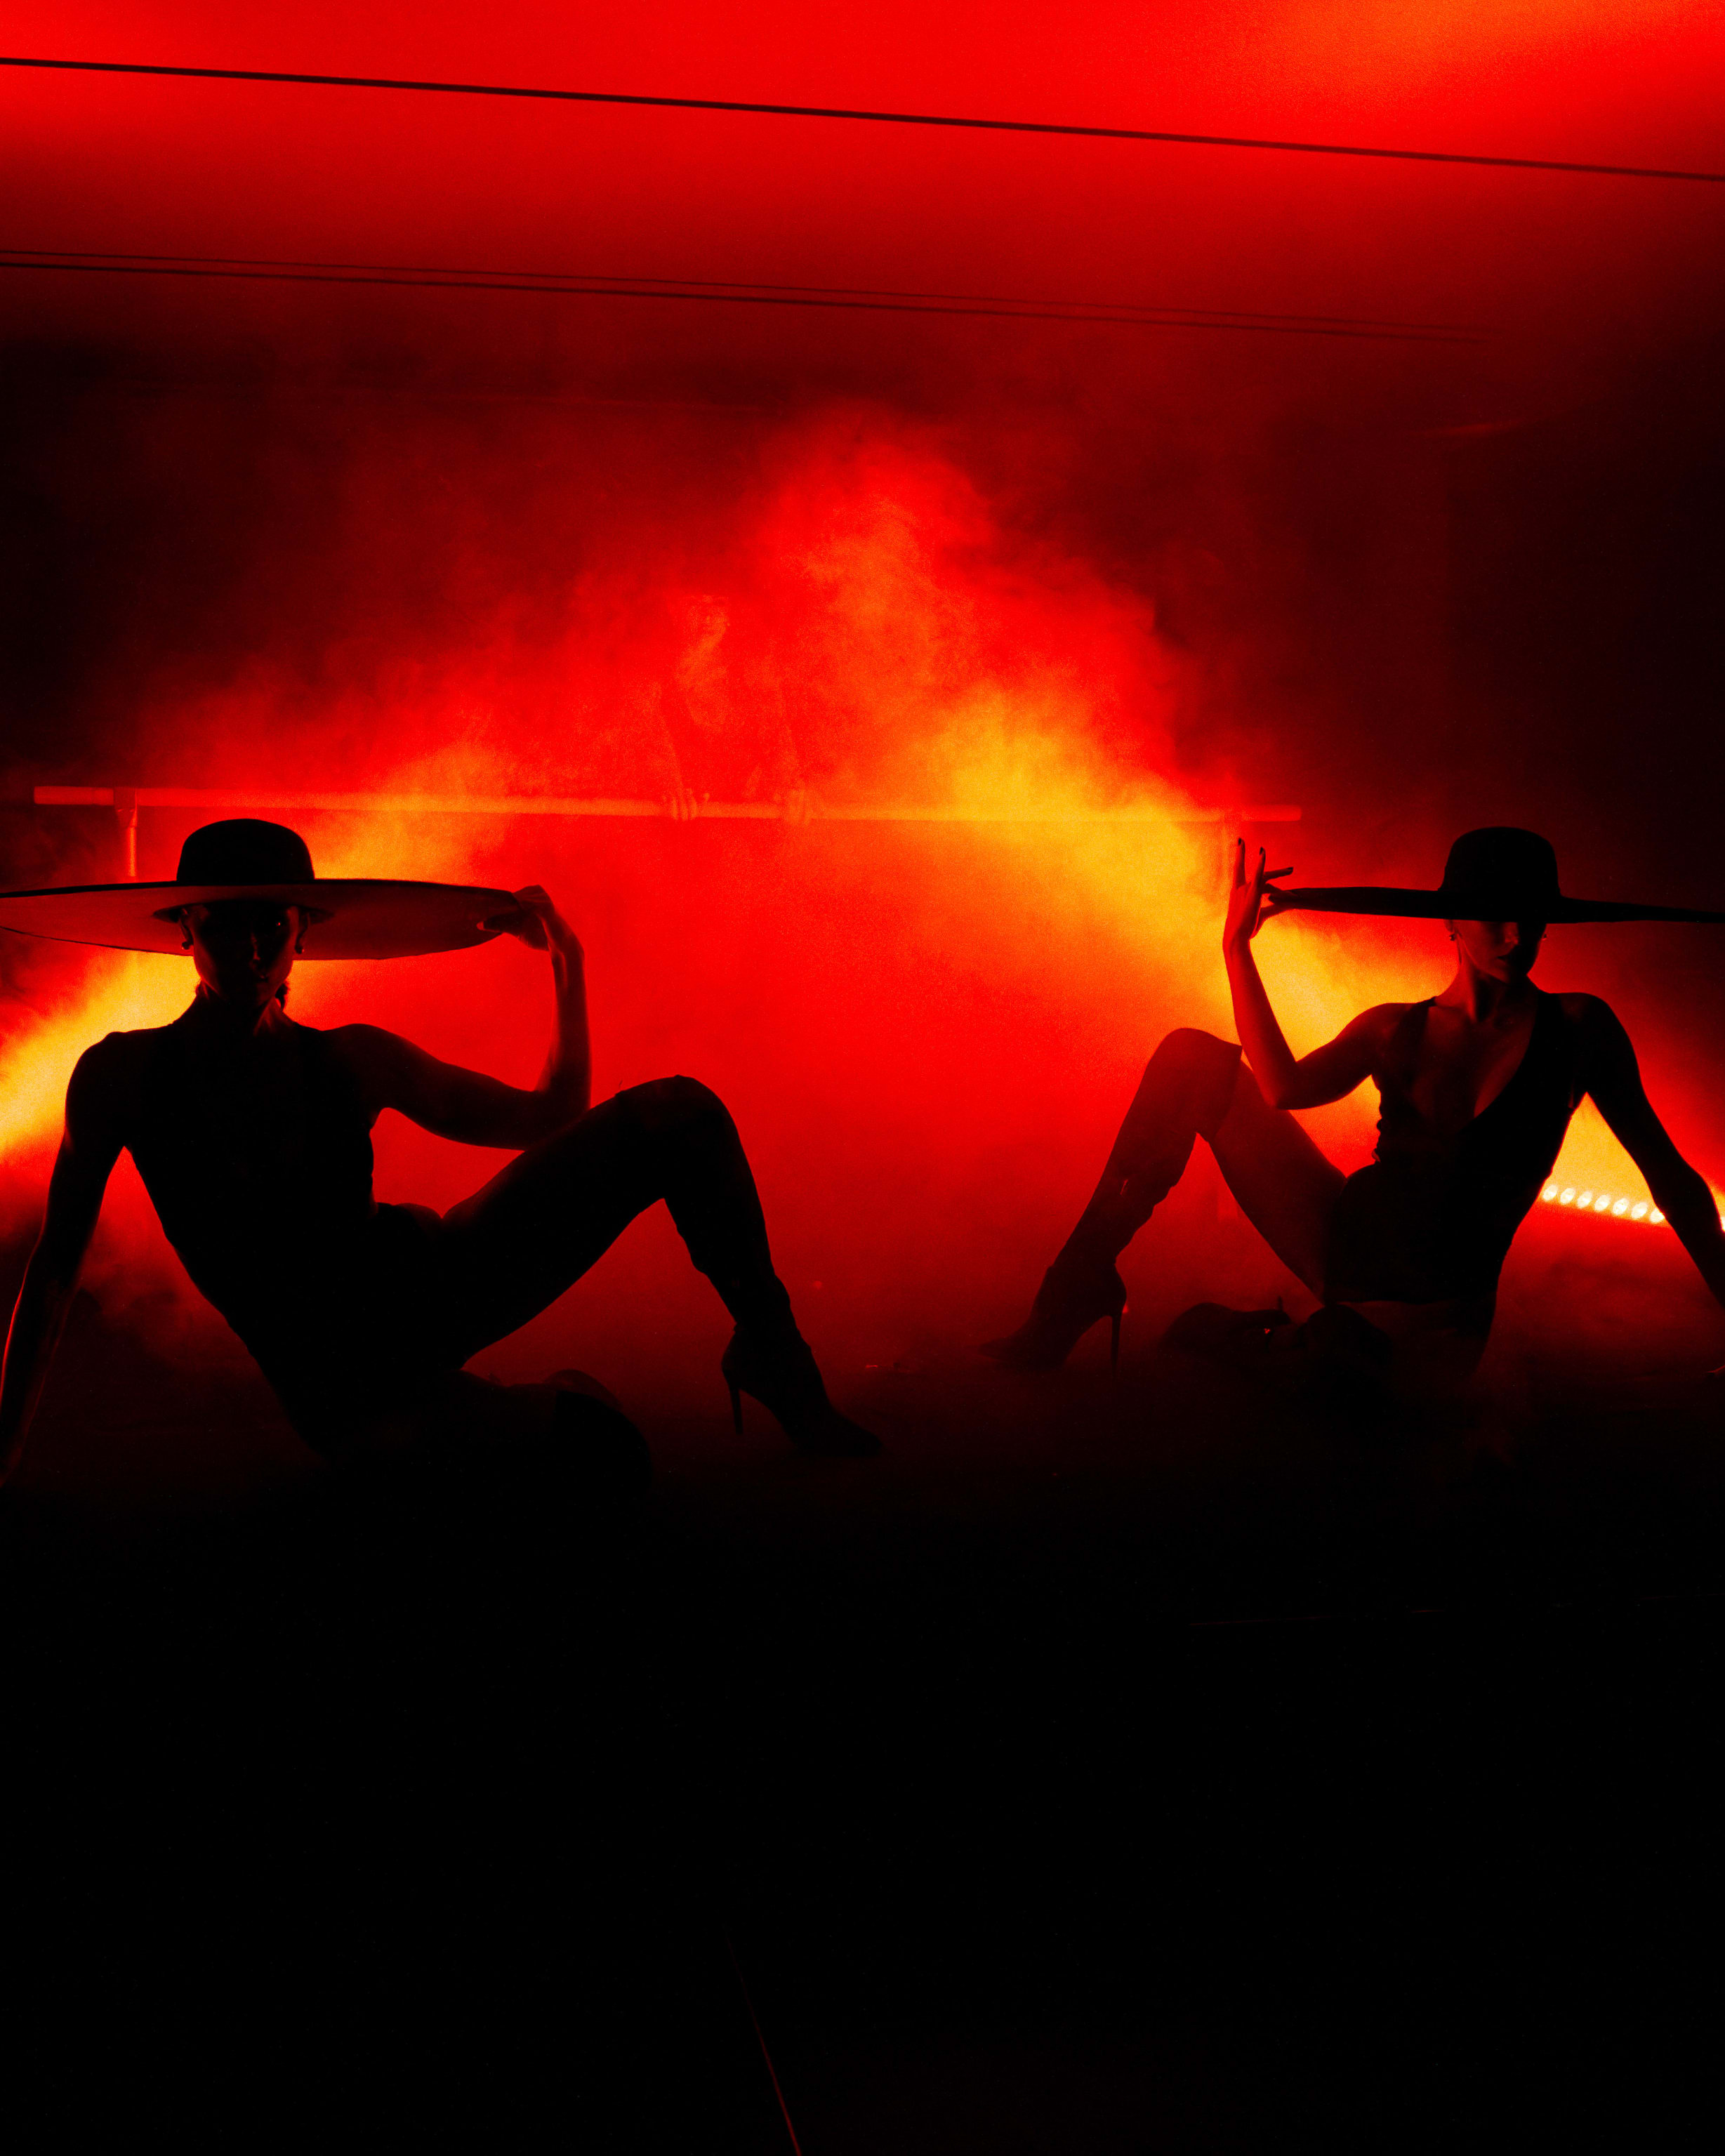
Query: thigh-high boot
pixel 709 1190
pixel 1187 1089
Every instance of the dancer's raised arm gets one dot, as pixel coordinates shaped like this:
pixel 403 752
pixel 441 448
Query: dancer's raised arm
pixel 1329 1073
pixel 469 1106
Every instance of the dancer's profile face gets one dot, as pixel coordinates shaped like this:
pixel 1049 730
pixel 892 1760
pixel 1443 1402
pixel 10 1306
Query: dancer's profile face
pixel 1502 950
pixel 243 948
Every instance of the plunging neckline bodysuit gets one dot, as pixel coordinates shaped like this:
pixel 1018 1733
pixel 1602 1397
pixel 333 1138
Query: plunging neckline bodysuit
pixel 1432 1217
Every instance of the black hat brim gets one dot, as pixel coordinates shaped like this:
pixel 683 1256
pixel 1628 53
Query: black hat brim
pixel 358 917
pixel 1385 900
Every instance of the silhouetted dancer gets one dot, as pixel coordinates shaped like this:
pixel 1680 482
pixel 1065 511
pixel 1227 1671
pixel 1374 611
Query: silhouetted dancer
pixel 1477 1084
pixel 252 1133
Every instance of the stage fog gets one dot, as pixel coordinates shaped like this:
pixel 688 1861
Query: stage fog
pixel 993 679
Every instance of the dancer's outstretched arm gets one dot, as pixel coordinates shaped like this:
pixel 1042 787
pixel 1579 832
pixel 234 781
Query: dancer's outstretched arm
pixel 467 1105
pixel 1614 1078
pixel 1329 1073
pixel 86 1157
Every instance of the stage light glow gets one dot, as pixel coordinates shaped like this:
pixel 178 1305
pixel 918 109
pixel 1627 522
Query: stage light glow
pixel 1605 1201
pixel 36 1061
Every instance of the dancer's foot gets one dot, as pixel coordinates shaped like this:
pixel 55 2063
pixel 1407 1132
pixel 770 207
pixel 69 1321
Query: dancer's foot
pixel 783 1377
pixel 1074 1292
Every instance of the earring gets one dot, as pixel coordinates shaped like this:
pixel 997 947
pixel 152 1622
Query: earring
pixel 300 946
pixel 186 941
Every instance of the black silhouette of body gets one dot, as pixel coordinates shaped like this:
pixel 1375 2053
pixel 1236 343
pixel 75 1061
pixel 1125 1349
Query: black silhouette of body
pixel 1478 1083
pixel 252 1134
pixel 1430 1220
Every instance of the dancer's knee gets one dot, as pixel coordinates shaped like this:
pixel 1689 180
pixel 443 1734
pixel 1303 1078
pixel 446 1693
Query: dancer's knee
pixel 667 1107
pixel 1203 1067
pixel 1190 1046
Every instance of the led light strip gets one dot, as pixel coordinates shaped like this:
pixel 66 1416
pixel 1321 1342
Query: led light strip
pixel 1589 1201
pixel 1614 1209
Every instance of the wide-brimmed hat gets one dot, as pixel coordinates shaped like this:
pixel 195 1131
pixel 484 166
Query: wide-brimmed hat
pixel 1499 874
pixel 350 917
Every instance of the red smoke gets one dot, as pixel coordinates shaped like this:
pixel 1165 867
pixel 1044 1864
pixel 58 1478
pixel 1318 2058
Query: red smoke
pixel 322 538
pixel 926 1030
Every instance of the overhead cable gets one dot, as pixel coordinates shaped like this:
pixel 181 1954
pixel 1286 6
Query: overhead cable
pixel 1120 314
pixel 847 112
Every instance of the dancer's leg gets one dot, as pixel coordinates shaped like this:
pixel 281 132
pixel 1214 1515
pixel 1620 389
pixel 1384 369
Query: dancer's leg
pixel 1195 1086
pixel 511 1248
pixel 1286 1187
pixel 1186 1092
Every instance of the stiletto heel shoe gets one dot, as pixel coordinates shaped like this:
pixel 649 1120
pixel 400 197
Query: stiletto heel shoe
pixel 1074 1294
pixel 783 1377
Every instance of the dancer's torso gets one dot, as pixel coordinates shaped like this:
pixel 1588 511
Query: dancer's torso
pixel 257 1155
pixel 1431 1219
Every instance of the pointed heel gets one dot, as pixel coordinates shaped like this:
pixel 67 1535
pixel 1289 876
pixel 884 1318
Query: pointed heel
pixel 782 1375
pixel 1073 1296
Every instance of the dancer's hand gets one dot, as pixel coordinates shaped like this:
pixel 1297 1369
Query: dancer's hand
pixel 1252 900
pixel 538 924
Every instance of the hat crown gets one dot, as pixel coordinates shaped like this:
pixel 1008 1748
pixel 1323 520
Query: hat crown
pixel 1501 874
pixel 244 850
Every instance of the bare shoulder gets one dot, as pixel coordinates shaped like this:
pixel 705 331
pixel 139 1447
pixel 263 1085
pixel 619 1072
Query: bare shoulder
pixel 1378 1025
pixel 1591 1018
pixel 361 1047
pixel 372 1057
pixel 104 1088
pixel 110 1070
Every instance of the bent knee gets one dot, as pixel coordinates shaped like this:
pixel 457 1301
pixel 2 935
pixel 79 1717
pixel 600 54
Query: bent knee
pixel 1189 1048
pixel 675 1104
pixel 1203 1072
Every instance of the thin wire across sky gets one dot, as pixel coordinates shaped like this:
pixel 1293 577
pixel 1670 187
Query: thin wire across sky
pixel 567 285
pixel 408 85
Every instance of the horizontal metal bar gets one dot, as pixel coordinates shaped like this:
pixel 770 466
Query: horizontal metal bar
pixel 683 808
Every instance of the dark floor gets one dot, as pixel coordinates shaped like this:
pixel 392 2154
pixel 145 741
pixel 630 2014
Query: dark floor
pixel 1105 1769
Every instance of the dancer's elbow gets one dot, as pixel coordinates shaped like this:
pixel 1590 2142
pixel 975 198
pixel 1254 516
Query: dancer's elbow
pixel 551 1112
pixel 1280 1089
